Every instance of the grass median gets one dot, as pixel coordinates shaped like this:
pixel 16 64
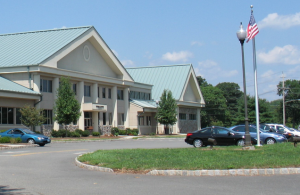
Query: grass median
pixel 230 157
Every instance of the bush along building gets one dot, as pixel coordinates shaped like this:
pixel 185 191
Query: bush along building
pixel 32 64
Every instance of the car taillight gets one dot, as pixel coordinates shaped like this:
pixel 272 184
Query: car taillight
pixel 189 134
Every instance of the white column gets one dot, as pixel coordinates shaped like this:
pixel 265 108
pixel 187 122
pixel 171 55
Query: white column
pixel 94 93
pixel 114 106
pixel 36 87
pixel 55 86
pixel 36 82
pixel 198 119
pixel 95 121
pixel 81 101
pixel 126 107
pixel 176 125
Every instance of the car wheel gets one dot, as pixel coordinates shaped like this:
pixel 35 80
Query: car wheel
pixel 30 141
pixel 198 143
pixel 41 144
pixel 270 141
pixel 240 142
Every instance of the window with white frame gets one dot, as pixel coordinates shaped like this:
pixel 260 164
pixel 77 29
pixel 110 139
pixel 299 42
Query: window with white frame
pixel 120 94
pixel 110 118
pixel 87 90
pixel 104 118
pixel 103 92
pixel 120 118
pixel 148 120
pixel 141 120
pixel 46 85
pixel 18 116
pixel 109 93
pixel 75 88
pixel 6 115
pixel 48 115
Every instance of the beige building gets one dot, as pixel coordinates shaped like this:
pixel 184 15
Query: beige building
pixel 32 63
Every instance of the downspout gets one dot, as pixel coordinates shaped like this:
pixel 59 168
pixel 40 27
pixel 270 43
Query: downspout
pixel 41 99
pixel 29 77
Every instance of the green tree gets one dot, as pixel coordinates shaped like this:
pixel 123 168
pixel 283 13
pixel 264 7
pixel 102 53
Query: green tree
pixel 232 93
pixel 202 81
pixel 31 117
pixel 166 110
pixel 291 91
pixel 215 110
pixel 67 108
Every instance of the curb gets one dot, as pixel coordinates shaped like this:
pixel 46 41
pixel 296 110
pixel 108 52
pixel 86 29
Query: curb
pixel 16 146
pixel 92 167
pixel 226 172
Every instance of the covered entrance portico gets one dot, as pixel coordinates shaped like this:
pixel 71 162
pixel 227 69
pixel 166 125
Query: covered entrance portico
pixel 91 116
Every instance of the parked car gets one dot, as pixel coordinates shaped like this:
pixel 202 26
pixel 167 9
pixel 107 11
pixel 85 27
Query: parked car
pixel 27 136
pixel 222 136
pixel 265 136
pixel 285 130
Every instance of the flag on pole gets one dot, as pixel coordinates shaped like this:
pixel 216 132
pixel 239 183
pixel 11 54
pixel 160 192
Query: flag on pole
pixel 252 29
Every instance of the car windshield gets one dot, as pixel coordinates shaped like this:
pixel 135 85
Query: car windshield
pixel 28 131
pixel 289 128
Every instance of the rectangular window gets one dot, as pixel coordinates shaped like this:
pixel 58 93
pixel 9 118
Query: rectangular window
pixel 87 91
pixel 148 120
pixel 120 118
pixel 182 116
pixel 98 91
pixel 109 93
pixel 18 116
pixel 142 96
pixel 104 118
pixel 110 119
pixel 6 115
pixel 141 120
pixel 131 94
pixel 192 117
pixel 48 115
pixel 103 92
pixel 46 85
pixel 120 94
pixel 75 88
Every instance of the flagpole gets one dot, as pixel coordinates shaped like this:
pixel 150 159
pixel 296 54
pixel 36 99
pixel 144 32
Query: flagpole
pixel 255 88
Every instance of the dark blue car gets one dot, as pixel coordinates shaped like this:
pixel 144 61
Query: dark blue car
pixel 27 136
pixel 265 136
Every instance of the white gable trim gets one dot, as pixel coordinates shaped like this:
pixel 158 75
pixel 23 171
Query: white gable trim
pixel 99 44
pixel 192 75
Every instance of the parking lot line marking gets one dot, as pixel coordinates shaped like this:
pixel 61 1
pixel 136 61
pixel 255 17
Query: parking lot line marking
pixel 24 154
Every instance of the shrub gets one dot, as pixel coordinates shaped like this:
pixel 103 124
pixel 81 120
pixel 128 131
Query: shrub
pixel 15 140
pixel 85 133
pixel 135 131
pixel 74 134
pixel 122 132
pixel 96 134
pixel 134 134
pixel 115 130
pixel 116 134
pixel 4 139
pixel 79 131
pixel 152 134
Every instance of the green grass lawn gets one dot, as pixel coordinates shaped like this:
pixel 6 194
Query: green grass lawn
pixel 231 157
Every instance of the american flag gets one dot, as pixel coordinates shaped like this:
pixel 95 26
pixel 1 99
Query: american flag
pixel 252 29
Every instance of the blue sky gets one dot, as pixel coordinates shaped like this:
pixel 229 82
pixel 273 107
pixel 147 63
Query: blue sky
pixel 167 32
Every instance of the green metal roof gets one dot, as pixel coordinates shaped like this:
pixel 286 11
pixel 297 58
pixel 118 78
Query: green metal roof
pixel 32 48
pixel 7 85
pixel 171 77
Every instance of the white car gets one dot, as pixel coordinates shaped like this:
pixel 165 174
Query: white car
pixel 281 127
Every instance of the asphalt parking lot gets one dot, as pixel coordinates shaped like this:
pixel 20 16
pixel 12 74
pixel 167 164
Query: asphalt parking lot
pixel 51 170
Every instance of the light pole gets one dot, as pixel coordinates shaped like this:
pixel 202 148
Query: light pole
pixel 241 35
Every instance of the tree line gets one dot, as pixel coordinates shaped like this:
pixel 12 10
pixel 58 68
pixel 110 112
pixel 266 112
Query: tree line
pixel 224 105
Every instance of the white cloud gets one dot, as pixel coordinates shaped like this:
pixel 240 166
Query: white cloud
pixel 288 54
pixel 280 21
pixel 196 43
pixel 128 63
pixel 177 56
pixel 210 69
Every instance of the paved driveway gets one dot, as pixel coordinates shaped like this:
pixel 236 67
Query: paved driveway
pixel 51 170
